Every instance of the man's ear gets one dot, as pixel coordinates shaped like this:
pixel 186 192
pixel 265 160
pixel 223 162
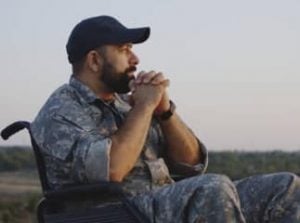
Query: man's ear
pixel 94 61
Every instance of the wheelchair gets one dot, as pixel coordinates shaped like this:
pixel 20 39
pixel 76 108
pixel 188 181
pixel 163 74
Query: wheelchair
pixel 75 203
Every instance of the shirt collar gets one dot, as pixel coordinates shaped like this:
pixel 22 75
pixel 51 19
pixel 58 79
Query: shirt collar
pixel 87 93
pixel 83 90
pixel 121 102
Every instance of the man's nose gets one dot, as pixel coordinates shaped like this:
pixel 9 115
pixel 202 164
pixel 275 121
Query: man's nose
pixel 134 60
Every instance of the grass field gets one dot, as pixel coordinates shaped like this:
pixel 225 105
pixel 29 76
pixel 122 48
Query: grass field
pixel 20 187
pixel 19 193
pixel 18 183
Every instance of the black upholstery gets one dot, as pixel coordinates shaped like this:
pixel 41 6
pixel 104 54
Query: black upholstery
pixel 94 215
pixel 53 207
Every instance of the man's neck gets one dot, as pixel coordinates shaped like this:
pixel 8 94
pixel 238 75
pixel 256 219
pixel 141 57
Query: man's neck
pixel 99 88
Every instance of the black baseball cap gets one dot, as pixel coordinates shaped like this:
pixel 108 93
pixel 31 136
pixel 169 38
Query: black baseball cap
pixel 98 31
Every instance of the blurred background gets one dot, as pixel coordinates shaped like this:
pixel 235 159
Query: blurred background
pixel 233 65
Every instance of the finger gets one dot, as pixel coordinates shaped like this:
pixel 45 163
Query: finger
pixel 147 78
pixel 139 78
pixel 165 83
pixel 159 78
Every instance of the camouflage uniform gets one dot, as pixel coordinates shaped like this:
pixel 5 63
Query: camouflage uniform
pixel 73 130
pixel 214 198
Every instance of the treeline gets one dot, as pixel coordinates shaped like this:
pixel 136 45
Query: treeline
pixel 14 158
pixel 235 164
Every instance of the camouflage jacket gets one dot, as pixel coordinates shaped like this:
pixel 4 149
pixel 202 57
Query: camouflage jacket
pixel 73 130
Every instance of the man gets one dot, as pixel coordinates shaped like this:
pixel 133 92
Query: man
pixel 108 125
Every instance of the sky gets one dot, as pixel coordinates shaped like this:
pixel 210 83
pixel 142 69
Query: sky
pixel 233 65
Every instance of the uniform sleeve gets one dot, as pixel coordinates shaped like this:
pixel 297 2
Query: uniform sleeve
pixel 90 151
pixel 92 157
pixel 184 169
pixel 84 153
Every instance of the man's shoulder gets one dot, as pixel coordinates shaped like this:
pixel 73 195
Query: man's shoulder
pixel 63 107
pixel 62 100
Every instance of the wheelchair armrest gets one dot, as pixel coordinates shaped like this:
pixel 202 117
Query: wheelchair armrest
pixel 86 190
pixel 14 128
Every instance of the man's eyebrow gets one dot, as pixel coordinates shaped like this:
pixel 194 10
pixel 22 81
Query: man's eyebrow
pixel 129 45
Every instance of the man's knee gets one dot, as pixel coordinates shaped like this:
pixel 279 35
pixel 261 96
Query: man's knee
pixel 217 179
pixel 288 182
pixel 217 194
pixel 287 176
pixel 286 201
pixel 285 179
pixel 218 185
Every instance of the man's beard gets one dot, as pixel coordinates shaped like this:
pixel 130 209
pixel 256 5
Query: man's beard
pixel 116 81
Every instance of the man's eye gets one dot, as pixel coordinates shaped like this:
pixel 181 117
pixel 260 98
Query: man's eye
pixel 122 48
pixel 125 49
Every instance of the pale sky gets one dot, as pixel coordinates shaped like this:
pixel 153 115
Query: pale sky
pixel 233 65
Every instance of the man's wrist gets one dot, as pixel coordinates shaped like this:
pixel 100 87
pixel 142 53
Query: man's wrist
pixel 165 115
pixel 144 107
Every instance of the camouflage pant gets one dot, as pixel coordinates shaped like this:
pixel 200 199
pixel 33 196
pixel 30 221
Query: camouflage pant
pixel 214 198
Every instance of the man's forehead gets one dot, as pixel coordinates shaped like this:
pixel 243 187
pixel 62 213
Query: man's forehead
pixel 129 45
pixel 117 46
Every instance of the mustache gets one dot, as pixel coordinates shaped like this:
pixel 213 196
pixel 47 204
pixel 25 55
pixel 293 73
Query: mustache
pixel 130 69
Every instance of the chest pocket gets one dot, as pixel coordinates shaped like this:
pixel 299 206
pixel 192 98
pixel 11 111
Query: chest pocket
pixel 104 120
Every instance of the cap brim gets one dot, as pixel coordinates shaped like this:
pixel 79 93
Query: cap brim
pixel 137 35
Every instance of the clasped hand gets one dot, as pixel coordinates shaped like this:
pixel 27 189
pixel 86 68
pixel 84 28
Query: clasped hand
pixel 149 89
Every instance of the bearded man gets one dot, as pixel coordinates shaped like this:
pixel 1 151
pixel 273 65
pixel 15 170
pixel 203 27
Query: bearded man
pixel 110 124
